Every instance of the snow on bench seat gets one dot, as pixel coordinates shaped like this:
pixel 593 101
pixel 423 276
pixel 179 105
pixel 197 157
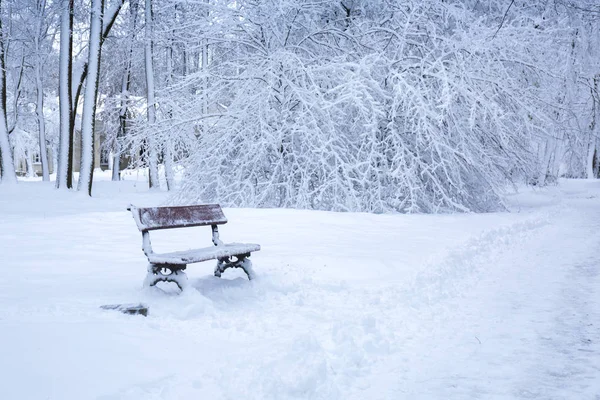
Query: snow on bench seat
pixel 203 254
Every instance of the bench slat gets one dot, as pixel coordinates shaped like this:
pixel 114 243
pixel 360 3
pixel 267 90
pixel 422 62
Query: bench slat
pixel 153 218
pixel 204 254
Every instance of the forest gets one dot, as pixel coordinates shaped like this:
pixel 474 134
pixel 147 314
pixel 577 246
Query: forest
pixel 355 105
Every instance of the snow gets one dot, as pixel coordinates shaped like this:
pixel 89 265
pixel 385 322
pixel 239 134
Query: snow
pixel 156 275
pixel 203 254
pixel 344 305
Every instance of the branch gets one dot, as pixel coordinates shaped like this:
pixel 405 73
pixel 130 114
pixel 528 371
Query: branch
pixel 17 95
pixel 110 16
pixel 503 18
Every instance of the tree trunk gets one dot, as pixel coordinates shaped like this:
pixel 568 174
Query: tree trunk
pixel 545 157
pixel 125 83
pixel 591 154
pixel 152 150
pixel 88 119
pixel 204 67
pixel 64 176
pixel 29 163
pixel 167 153
pixel 16 96
pixel 55 157
pixel 8 167
pixel 168 162
pixel 591 172
pixel 39 107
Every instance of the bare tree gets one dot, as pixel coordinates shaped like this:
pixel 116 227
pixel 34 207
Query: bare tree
pixel 8 173
pixel 64 177
pixel 153 180
pixel 88 120
pixel 39 106
pixel 125 87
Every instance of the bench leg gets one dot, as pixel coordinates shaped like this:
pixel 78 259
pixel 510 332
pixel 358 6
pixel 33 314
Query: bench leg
pixel 166 273
pixel 242 262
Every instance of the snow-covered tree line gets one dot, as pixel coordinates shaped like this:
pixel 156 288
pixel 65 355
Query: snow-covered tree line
pixel 372 105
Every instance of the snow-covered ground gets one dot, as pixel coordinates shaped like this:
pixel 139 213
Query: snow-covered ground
pixel 345 306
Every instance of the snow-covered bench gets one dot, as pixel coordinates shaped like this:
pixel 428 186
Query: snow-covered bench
pixel 169 267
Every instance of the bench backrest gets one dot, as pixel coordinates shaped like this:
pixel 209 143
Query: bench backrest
pixel 153 218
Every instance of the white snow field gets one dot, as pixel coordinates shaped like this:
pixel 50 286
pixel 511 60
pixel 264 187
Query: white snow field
pixel 345 305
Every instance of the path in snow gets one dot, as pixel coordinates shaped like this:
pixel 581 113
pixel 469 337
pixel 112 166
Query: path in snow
pixel 528 329
pixel 347 306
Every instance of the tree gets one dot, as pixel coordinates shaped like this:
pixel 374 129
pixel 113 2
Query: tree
pixel 8 173
pixel 151 106
pixel 125 87
pixel 69 93
pixel 358 105
pixel 64 177
pixel 40 33
pixel 88 120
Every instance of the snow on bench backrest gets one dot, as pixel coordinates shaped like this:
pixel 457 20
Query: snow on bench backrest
pixel 153 218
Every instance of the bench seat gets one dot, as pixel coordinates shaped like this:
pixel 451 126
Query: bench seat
pixel 203 254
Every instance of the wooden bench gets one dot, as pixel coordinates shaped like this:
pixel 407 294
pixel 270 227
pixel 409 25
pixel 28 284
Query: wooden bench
pixel 169 267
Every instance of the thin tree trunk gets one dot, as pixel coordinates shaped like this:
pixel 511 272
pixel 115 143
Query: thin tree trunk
pixel 64 176
pixel 29 164
pixel 593 138
pixel 183 19
pixel 204 67
pixel 167 153
pixel 88 119
pixel 591 151
pixel 8 167
pixel 168 161
pixel 125 83
pixel 54 157
pixel 152 151
pixel 545 158
pixel 590 160
pixel 596 127
pixel 39 107
pixel 16 96
pixel 116 152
